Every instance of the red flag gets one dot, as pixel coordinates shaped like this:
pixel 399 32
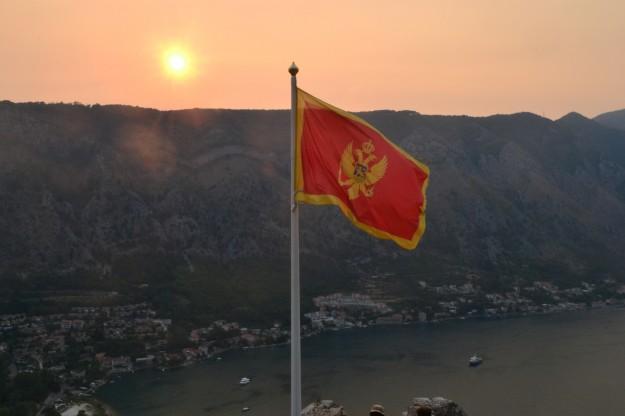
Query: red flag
pixel 342 160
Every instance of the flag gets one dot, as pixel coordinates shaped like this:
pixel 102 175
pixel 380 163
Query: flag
pixel 342 160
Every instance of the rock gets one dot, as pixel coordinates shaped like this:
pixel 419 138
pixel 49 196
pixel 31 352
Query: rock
pixel 440 406
pixel 323 408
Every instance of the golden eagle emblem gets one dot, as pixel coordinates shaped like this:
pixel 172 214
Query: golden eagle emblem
pixel 360 175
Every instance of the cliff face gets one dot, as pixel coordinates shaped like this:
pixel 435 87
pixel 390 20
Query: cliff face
pixel 112 195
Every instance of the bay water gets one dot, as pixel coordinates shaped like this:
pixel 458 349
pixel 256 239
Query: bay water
pixel 566 364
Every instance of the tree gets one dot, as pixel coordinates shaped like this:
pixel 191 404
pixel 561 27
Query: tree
pixel 24 409
pixel 4 377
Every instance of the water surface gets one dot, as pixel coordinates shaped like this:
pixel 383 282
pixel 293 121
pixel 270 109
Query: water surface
pixel 568 364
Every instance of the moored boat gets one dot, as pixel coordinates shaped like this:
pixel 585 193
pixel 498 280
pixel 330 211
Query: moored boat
pixel 475 360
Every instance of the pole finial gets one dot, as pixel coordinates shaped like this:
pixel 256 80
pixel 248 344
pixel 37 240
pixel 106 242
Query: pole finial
pixel 293 69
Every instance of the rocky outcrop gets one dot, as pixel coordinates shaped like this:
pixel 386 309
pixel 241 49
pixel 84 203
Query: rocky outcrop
pixel 323 408
pixel 439 405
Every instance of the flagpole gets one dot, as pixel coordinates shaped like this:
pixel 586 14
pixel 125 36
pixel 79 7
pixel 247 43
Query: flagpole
pixel 296 350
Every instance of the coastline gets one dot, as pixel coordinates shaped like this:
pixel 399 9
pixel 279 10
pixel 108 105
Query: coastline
pixel 111 412
pixel 390 363
pixel 314 333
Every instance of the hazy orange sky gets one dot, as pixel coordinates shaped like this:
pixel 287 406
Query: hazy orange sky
pixel 437 57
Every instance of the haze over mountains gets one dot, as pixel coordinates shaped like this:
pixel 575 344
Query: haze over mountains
pixel 196 201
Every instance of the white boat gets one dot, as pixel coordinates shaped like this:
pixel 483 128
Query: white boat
pixel 245 409
pixel 475 360
pixel 245 381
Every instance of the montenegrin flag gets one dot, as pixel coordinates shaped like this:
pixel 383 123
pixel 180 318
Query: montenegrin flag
pixel 342 160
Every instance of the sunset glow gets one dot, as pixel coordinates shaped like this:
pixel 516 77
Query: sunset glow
pixel 477 58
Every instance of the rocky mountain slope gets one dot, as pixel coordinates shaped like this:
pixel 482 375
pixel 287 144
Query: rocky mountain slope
pixel 196 201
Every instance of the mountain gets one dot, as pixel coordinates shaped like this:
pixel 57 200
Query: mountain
pixel 614 119
pixel 190 208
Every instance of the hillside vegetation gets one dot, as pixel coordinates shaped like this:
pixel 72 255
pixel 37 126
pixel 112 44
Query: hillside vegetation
pixel 189 209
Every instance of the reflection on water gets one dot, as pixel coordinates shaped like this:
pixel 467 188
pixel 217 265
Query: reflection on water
pixel 549 365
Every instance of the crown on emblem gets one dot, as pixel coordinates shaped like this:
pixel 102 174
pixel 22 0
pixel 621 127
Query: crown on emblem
pixel 368 147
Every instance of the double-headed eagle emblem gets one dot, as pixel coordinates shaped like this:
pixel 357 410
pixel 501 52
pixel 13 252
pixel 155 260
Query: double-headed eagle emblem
pixel 356 167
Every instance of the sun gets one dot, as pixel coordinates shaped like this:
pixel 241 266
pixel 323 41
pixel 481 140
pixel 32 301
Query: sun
pixel 177 63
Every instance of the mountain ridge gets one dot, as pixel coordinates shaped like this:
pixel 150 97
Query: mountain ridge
pixel 614 119
pixel 116 196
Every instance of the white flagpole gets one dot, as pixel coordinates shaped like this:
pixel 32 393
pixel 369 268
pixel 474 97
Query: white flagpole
pixel 296 350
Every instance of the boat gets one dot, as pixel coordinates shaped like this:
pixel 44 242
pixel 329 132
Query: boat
pixel 245 381
pixel 475 360
pixel 245 409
